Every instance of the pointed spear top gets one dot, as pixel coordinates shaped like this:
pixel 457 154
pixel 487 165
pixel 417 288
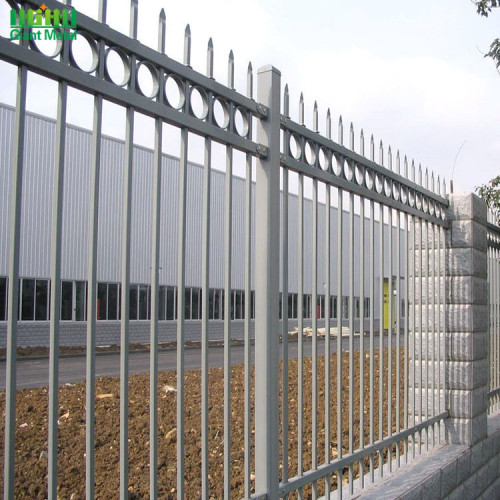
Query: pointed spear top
pixel 315 105
pixel 340 120
pixel 315 117
pixel 162 15
pixel 328 124
pixel 210 59
pixel 250 81
pixel 301 109
pixel 372 140
pixel 362 135
pixel 161 32
pixel 444 187
pixel 301 99
pixel 286 89
pixel 328 114
pixel 286 101
pixel 231 55
pixel 187 46
pixel 397 154
pixel 389 151
pixel 351 127
pixel 230 70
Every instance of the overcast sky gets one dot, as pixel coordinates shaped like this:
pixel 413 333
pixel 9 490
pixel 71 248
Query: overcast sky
pixel 411 73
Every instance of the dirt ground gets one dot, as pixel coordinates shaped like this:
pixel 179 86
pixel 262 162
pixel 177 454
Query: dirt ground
pixel 31 431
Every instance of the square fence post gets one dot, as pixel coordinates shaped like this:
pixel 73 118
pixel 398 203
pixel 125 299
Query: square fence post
pixel 467 320
pixel 267 225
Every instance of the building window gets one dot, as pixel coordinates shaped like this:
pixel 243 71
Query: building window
pixel 113 301
pixel 41 300
pixel 366 307
pixel 3 299
pixel 333 307
pixel 320 306
pixel 196 303
pixel 252 305
pixel 356 307
pixel 306 306
pixel 171 302
pixel 27 299
pixel 403 309
pixel 143 301
pixel 345 307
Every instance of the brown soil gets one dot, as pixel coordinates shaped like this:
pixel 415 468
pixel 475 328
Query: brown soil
pixel 31 431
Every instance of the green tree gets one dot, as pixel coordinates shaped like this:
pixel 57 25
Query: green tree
pixel 490 193
pixel 484 8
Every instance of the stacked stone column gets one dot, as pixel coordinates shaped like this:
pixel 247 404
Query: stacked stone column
pixel 467 320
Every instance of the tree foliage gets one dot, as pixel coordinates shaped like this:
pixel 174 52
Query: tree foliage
pixel 490 193
pixel 484 8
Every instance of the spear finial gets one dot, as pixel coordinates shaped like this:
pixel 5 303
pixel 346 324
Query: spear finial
pixel 341 131
pixel 301 109
pixel 230 70
pixel 315 117
pixel 438 186
pixel 433 185
pixel 398 163
pixel 381 153
pixel 420 174
pixel 210 58
pixel 372 148
pixel 286 102
pixel 187 46
pixel 389 158
pixel 161 32
pixel 351 137
pixel 362 143
pixel 426 178
pixel 133 18
pixel 328 124
pixel 250 81
pixel 406 167
pixel 413 170
pixel 103 4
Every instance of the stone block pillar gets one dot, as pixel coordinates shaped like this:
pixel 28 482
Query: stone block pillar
pixel 466 373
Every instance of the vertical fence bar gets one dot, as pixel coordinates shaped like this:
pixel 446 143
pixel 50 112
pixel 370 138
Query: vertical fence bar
pixel 351 337
pixel 284 330
pixel 181 260
pixel 228 235
pixel 314 274
pixel 248 310
pixel 381 336
pixel 339 336
pixel 414 329
pixel 13 284
pixel 389 338
pixel 406 320
pixel 372 337
pixel 328 432
pixel 55 289
pixel 300 324
pixel 362 335
pixel 125 271
pixel 267 288
pixel 205 317
pixel 155 267
pixel 427 318
pixel 92 278
pixel 398 329
pixel 433 333
pixel 440 331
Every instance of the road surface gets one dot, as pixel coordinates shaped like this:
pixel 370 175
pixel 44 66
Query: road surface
pixel 35 372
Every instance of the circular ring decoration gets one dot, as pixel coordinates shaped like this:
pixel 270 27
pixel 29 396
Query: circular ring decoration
pixel 337 164
pixel 369 178
pixel 198 103
pixel 395 190
pixel 310 153
pixel 74 50
pixel 295 147
pixel 324 159
pixel 149 69
pixel 109 59
pixel 241 123
pixel 404 194
pixel 379 183
pixel 388 187
pixel 38 47
pixel 411 197
pixel 220 112
pixel 359 174
pixel 348 170
pixel 425 204
pixel 418 201
pixel 173 92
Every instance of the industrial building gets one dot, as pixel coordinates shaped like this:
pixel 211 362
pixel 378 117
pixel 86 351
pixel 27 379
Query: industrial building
pixel 35 245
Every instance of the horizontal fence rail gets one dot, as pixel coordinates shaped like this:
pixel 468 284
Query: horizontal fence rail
pixel 340 249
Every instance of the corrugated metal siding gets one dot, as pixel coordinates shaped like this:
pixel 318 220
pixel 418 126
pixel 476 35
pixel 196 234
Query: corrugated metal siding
pixel 36 215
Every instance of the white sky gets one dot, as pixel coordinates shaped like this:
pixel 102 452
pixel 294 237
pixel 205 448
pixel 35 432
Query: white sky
pixel 411 73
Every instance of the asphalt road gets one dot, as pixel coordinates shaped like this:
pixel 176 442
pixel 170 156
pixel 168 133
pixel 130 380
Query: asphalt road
pixel 35 372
